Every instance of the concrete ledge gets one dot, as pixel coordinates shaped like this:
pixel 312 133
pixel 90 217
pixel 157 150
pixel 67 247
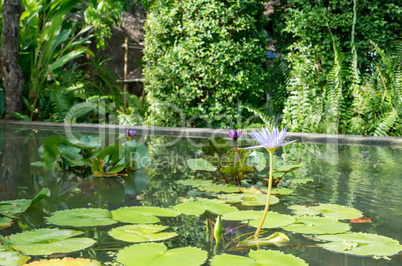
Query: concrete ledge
pixel 205 133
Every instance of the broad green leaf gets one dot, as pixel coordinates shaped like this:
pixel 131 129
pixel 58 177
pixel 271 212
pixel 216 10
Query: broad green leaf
pixel 281 190
pixel 361 244
pixel 10 257
pixel 199 207
pixel 215 146
pixel 82 217
pixel 141 233
pixel 137 155
pixel 12 207
pixel 257 160
pixel 157 254
pixel 317 226
pixel 194 182
pixel 233 170
pixel 156 211
pixel 276 239
pixel 273 220
pixel 67 58
pixel 258 257
pixel 5 222
pixel 242 215
pixel 87 142
pixel 249 199
pixel 49 241
pixel 327 210
pixel 51 150
pixel 200 164
pixel 288 168
pixel 217 188
pixel 127 215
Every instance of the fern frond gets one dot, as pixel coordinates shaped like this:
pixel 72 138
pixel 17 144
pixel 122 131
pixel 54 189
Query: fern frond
pixel 386 123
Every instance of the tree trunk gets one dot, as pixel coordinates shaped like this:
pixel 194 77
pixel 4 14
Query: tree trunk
pixel 10 70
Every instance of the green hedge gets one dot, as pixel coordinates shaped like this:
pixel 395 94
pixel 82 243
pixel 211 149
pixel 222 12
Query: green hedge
pixel 204 57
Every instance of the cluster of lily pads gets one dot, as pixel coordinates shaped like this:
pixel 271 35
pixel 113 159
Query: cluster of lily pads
pixel 87 155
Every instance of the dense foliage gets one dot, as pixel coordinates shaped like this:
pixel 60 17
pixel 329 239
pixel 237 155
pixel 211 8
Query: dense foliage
pixel 202 59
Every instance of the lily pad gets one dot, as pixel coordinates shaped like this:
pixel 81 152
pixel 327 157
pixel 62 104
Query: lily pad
pixel 217 188
pixel 257 160
pixel 242 215
pixel 258 257
pixel 49 241
pixel 361 244
pixel 141 233
pixel 199 207
pixel 5 222
pixel 65 262
pixel 12 207
pixel 10 257
pixel 249 199
pixel 328 210
pixel 200 164
pixel 194 182
pixel 152 254
pixel 281 191
pixel 82 217
pixel 317 226
pixel 142 214
pixel 273 220
pixel 276 239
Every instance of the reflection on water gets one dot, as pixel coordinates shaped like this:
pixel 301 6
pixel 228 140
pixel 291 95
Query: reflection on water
pixel 366 178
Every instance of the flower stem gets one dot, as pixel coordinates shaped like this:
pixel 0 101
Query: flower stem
pixel 271 171
pixel 237 160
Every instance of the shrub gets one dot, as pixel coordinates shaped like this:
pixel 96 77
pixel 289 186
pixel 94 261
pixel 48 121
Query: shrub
pixel 203 57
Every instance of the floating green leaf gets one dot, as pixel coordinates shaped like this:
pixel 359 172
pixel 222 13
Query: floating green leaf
pixel 242 215
pixel 82 217
pixel 65 262
pixel 258 257
pixel 317 226
pixel 273 220
pixel 199 207
pixel 217 188
pixel 142 214
pixel 257 160
pixel 12 207
pixel 194 182
pixel 200 164
pixel 141 233
pixel 361 244
pixel 10 257
pixel 5 222
pixel 288 168
pixel 49 241
pixel 153 254
pixel 249 199
pixel 276 239
pixel 301 180
pixel 281 191
pixel 328 210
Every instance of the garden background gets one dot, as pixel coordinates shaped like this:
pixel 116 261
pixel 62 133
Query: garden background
pixel 313 66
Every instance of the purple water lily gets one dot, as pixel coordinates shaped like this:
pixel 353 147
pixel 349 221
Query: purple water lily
pixel 231 231
pixel 130 133
pixel 234 134
pixel 269 139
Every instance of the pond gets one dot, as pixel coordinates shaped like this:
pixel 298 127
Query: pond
pixel 365 178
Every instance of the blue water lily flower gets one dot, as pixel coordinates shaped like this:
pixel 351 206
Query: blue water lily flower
pixel 269 139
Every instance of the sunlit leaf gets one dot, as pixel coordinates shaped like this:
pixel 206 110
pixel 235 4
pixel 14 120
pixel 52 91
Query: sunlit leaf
pixel 200 164
pixel 328 210
pixel 141 233
pixel 157 254
pixel 276 239
pixel 317 226
pixel 12 207
pixel 217 188
pixel 49 241
pixel 258 257
pixel 248 199
pixel 194 182
pixel 273 220
pixel 82 217
pixel 242 215
pixel 65 262
pixel 10 257
pixel 199 207
pixel 5 222
pixel 361 244
pixel 288 168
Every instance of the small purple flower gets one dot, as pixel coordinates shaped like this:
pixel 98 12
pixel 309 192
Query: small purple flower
pixel 130 133
pixel 234 134
pixel 232 231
